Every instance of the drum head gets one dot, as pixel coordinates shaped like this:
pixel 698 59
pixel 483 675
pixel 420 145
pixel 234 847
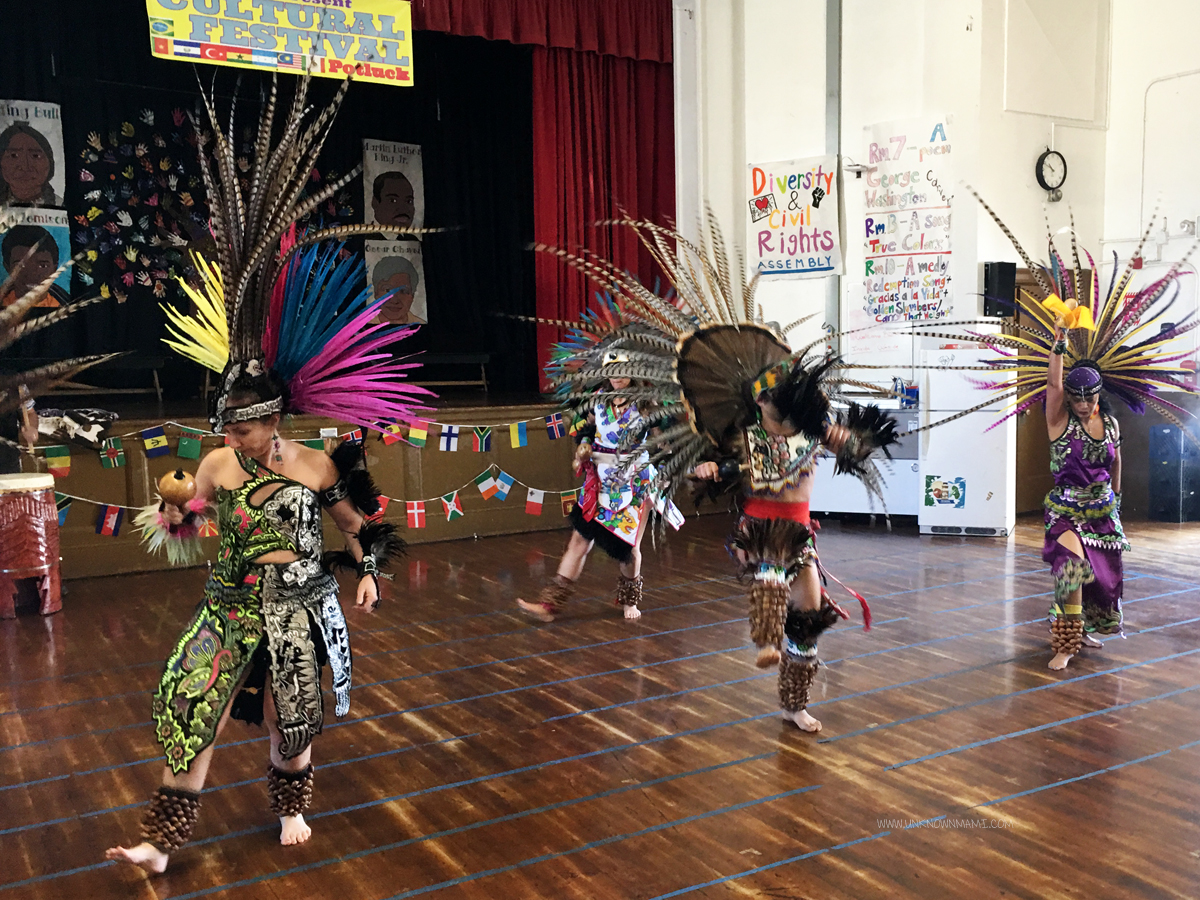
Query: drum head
pixel 26 483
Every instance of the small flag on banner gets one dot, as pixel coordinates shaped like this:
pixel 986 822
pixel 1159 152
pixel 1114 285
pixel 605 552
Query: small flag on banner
pixel 189 444
pixel 383 505
pixel 418 434
pixel 416 513
pixel 533 502
pixel 208 528
pixel 568 499
pixel 518 435
pixel 63 503
pixel 453 506
pixel 156 442
pixel 449 438
pixel 555 427
pixel 481 440
pixel 227 441
pixel 504 483
pixel 486 484
pixel 58 460
pixel 355 435
pixel 108 522
pixel 391 434
pixel 329 432
pixel 577 422
pixel 112 454
pixel 314 443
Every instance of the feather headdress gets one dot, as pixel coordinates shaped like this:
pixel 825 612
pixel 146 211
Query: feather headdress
pixel 1115 332
pixel 15 324
pixel 699 352
pixel 272 300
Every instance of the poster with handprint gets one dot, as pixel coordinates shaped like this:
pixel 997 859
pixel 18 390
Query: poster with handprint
pixel 794 224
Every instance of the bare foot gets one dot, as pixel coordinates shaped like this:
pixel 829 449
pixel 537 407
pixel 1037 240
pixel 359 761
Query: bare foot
pixel 1090 640
pixel 539 611
pixel 1060 660
pixel 767 657
pixel 632 612
pixel 295 830
pixel 145 856
pixel 802 720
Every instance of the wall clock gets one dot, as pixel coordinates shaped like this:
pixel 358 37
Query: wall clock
pixel 1050 170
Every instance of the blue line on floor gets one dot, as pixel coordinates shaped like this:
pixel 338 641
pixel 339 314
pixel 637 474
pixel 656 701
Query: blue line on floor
pixel 1025 731
pixel 448 832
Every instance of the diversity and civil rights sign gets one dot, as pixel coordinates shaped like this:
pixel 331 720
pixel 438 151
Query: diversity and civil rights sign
pixel 793 218
pixel 371 39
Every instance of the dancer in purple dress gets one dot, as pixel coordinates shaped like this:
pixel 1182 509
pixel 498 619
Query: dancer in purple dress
pixel 1115 343
pixel 1084 539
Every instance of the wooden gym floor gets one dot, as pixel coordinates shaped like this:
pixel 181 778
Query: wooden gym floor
pixel 485 757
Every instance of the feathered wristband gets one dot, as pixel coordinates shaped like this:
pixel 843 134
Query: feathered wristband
pixel 182 542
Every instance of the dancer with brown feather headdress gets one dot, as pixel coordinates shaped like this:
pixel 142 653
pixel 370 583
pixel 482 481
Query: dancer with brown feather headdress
pixel 747 411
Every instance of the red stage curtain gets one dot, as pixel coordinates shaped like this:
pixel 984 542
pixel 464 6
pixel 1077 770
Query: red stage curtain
pixel 637 29
pixel 603 141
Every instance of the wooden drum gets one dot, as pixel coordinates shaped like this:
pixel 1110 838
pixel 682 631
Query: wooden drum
pixel 28 541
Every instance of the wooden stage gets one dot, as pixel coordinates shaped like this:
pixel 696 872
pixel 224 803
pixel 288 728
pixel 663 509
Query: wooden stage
pixel 486 757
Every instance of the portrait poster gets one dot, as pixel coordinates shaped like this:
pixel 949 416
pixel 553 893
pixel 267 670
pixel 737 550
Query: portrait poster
pixel 395 270
pixel 42 238
pixel 393 186
pixel 793 218
pixel 32 166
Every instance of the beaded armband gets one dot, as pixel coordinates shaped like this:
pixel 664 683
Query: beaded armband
pixel 335 493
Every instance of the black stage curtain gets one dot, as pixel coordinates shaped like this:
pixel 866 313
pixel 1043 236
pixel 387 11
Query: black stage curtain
pixel 470 110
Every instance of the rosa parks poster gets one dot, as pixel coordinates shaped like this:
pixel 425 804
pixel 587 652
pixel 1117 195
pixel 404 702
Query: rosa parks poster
pixel 31 154
pixel 395 270
pixel 40 238
pixel 392 183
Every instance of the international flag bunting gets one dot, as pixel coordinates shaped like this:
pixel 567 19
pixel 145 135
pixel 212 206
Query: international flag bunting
pixel 58 460
pixel 533 502
pixel 208 528
pixel 416 513
pixel 112 454
pixel 108 522
pixel 504 483
pixel 314 443
pixel 383 505
pixel 555 427
pixel 329 432
pixel 63 504
pixel 355 436
pixel 290 60
pixel 486 484
pixel 448 440
pixel 156 442
pixel 392 434
pixel 577 423
pixel 453 506
pixel 518 435
pixel 189 444
pixel 481 440
pixel 418 434
pixel 568 499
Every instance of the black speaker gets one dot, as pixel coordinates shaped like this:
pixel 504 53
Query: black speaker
pixel 999 289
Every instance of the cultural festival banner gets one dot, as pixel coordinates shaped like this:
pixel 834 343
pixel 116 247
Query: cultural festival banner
pixel 370 39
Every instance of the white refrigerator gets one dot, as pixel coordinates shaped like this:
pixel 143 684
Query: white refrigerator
pixel 968 475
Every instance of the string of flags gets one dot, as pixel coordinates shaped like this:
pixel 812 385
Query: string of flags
pixel 189 446
pixel 492 483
